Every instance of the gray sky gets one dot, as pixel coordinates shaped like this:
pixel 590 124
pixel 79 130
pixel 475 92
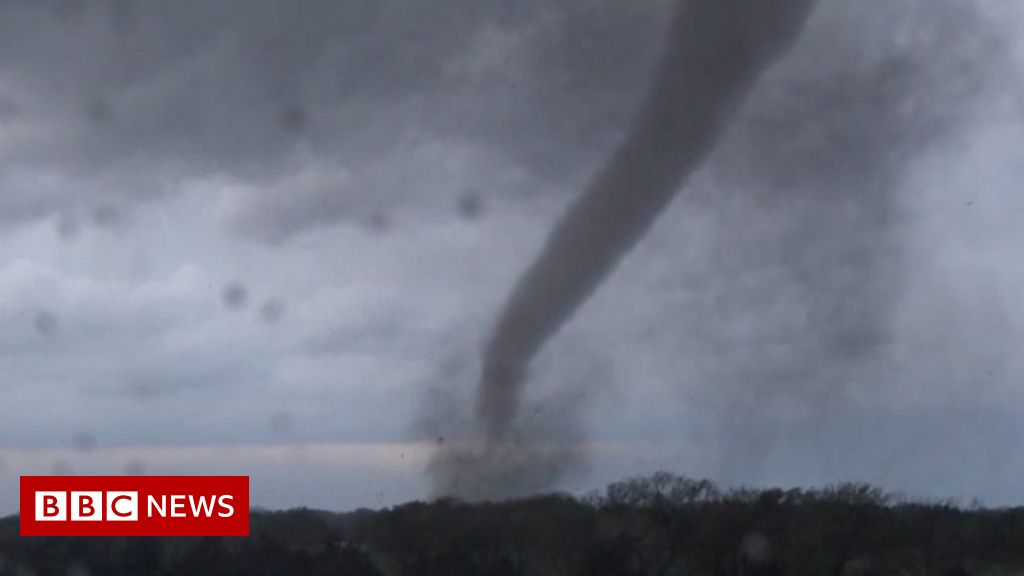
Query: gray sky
pixel 255 238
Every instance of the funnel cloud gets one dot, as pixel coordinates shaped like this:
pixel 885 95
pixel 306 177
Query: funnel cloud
pixel 714 54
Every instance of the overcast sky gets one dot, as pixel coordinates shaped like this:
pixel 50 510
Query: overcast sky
pixel 263 237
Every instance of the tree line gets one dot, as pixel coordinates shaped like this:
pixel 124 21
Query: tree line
pixel 662 524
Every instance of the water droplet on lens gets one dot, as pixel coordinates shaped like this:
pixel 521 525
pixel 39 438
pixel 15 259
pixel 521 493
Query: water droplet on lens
pixel 271 311
pixel 68 228
pixel 106 216
pixel 62 468
pixel 235 295
pixel 294 119
pixel 281 422
pixel 83 442
pixel 46 323
pixel 134 468
pixel 471 206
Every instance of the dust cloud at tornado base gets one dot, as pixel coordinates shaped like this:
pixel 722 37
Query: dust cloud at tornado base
pixel 803 183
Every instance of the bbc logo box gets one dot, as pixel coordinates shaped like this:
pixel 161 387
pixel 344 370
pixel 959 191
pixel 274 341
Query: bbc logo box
pixel 134 506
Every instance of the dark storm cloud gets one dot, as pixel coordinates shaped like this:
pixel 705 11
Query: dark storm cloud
pixel 115 105
pixel 185 89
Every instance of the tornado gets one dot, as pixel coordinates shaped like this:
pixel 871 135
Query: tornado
pixel 713 56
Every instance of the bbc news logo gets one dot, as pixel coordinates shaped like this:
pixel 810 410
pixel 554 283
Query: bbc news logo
pixel 134 506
